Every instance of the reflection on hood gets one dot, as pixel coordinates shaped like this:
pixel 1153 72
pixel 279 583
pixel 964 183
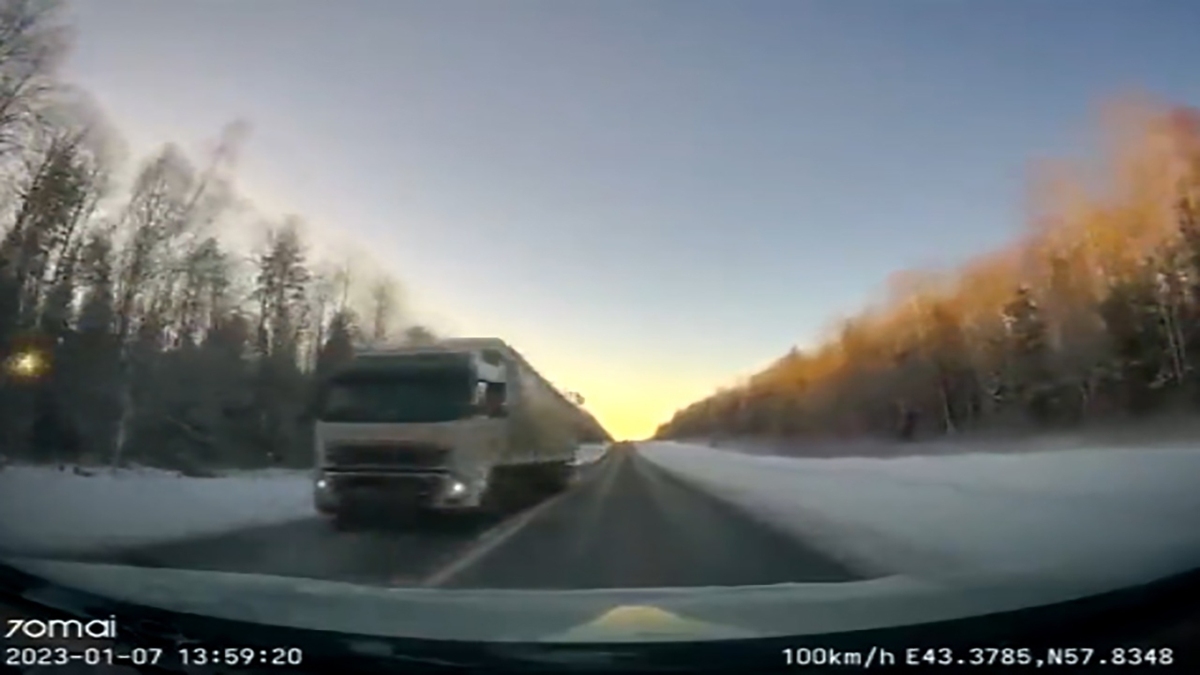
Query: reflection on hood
pixel 642 623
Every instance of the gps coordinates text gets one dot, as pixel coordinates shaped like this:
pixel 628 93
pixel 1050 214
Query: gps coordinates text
pixel 1039 658
pixel 980 656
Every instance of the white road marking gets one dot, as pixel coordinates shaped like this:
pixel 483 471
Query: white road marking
pixel 491 540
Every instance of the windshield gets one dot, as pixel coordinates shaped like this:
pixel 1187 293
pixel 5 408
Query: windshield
pixel 440 396
pixel 567 299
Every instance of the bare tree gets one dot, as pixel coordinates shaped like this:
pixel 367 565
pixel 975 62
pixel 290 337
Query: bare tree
pixel 33 44
pixel 384 308
pixel 419 335
pixel 169 344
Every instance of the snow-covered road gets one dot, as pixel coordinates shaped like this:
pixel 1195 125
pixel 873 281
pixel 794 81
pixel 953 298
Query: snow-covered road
pixel 1125 511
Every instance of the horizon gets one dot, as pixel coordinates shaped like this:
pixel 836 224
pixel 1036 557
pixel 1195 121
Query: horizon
pixel 656 199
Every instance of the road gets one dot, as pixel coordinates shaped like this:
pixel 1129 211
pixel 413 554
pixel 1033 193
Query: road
pixel 625 524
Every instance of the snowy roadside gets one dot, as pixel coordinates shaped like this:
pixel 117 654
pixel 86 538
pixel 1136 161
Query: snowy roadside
pixel 1163 431
pixel 590 453
pixel 1110 511
pixel 45 511
pixel 879 448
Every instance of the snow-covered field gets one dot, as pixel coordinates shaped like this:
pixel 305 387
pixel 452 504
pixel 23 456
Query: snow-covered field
pixel 1133 511
pixel 44 510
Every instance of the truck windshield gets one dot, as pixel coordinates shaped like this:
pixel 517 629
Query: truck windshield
pixel 439 395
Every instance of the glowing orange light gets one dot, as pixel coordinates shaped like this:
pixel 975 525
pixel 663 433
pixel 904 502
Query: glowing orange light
pixel 26 364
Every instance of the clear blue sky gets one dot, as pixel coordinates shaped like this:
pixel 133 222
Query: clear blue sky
pixel 648 198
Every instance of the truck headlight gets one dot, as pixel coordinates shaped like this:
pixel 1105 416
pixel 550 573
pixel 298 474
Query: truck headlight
pixel 456 488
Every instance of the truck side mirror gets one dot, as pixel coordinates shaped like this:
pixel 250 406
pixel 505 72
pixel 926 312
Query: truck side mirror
pixel 495 400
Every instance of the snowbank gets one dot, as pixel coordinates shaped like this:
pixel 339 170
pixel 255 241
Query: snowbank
pixel 1128 511
pixel 46 511
pixel 590 453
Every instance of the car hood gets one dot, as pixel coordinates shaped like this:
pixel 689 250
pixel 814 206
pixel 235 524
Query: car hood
pixel 616 615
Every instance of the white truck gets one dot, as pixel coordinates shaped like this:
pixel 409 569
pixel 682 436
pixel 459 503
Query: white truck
pixel 463 425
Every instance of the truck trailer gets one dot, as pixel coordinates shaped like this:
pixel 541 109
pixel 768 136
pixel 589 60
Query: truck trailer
pixel 464 425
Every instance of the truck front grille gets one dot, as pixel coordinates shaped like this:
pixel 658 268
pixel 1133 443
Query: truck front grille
pixel 389 455
pixel 402 486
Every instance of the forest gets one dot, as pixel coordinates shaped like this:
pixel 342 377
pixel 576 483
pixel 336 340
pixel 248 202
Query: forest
pixel 133 330
pixel 1092 316
pixel 160 340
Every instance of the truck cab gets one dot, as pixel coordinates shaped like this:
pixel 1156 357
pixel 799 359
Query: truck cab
pixel 463 425
pixel 408 430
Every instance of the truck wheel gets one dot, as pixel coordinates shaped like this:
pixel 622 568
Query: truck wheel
pixel 495 499
pixel 489 503
pixel 558 478
pixel 344 520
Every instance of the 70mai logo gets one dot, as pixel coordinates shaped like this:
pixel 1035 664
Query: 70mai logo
pixel 61 629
